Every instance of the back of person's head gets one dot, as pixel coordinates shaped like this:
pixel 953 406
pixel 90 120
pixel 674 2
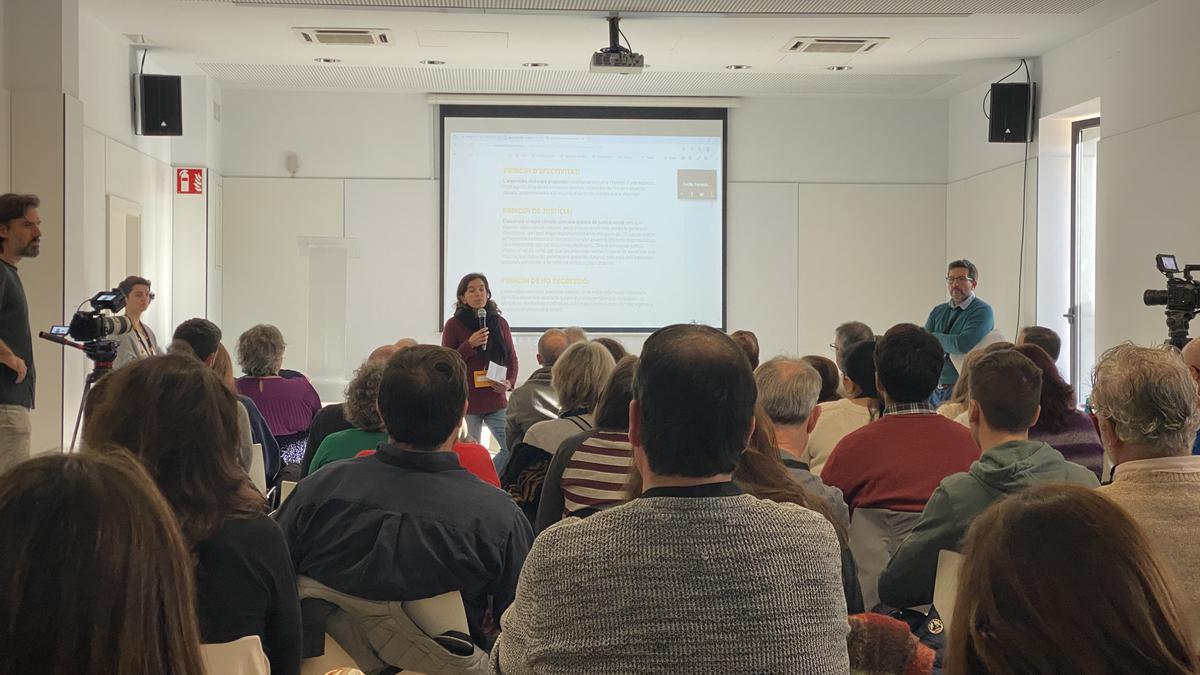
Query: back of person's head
pixel 612 409
pixel 423 395
pixel 859 366
pixel 579 375
pixel 551 345
pixel 260 350
pixel 202 335
pixel 223 367
pixel 1148 397
pixel 695 397
pixel 748 342
pixel 1058 397
pixel 575 334
pixel 849 334
pixel 384 352
pixel 1007 387
pixel 361 394
pixel 181 421
pixel 788 390
pixel 962 386
pixel 614 347
pixel 1045 612
pixel 908 363
pixel 1043 337
pixel 830 377
pixel 95 578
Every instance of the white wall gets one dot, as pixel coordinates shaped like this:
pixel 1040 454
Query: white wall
pixel 1141 70
pixel 5 113
pixel 826 197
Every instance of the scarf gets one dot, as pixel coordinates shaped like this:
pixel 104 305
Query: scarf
pixel 497 347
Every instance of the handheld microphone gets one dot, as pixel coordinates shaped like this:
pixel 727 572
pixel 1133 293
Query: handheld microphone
pixel 482 314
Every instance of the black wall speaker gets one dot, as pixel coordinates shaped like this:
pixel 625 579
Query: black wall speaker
pixel 1011 111
pixel 157 105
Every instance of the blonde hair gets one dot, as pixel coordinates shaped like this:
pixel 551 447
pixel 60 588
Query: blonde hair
pixel 1150 398
pixel 579 375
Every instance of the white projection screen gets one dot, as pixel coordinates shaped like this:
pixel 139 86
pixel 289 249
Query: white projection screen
pixel 608 218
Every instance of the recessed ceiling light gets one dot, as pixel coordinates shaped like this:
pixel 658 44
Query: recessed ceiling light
pixel 535 64
pixel 325 60
pixel 840 69
pixel 432 62
pixel 738 66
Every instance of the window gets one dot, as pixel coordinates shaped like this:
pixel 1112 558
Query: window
pixel 1085 147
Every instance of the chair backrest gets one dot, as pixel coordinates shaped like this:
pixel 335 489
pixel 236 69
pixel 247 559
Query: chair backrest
pixel 945 587
pixel 243 656
pixel 285 489
pixel 258 468
pixel 874 536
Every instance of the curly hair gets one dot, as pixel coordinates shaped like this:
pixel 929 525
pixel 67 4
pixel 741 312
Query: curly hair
pixel 1150 397
pixel 260 350
pixel 361 394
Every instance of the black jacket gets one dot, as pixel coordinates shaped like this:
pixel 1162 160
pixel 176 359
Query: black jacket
pixel 405 525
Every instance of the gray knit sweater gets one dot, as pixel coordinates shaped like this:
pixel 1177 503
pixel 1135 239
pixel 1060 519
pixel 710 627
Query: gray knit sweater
pixel 729 584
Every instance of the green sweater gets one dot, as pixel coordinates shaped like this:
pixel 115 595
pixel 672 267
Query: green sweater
pixel 344 445
pixel 1003 470
pixel 969 328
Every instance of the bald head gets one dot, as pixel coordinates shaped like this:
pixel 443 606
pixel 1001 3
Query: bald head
pixel 551 346
pixel 405 343
pixel 788 389
pixel 383 353
pixel 1191 356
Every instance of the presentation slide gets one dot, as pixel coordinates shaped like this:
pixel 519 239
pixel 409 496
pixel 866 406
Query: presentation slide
pixel 610 224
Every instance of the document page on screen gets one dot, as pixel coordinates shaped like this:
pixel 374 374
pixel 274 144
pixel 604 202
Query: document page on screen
pixel 609 224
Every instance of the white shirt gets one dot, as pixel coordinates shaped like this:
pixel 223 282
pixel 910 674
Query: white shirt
pixel 837 419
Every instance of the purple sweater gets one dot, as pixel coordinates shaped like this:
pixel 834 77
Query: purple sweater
pixel 287 404
pixel 1078 443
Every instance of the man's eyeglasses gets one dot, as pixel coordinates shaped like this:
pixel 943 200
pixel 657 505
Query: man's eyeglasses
pixel 955 280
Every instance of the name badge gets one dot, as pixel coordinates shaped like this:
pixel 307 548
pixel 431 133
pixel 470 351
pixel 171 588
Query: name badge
pixel 481 379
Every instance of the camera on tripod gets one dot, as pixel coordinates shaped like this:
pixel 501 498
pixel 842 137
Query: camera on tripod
pixel 1182 298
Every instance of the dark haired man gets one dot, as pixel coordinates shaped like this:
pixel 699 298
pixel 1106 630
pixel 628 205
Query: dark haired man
pixel 409 522
pixel 896 462
pixel 20 237
pixel 959 325
pixel 692 576
pixel 1005 389
pixel 202 335
pixel 1043 337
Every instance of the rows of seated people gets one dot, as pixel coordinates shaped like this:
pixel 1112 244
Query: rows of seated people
pixel 684 510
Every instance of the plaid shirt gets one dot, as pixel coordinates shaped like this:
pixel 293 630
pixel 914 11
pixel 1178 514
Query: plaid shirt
pixel 919 408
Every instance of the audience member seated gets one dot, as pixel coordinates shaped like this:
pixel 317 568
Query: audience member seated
pixel 615 348
pixel 1073 586
pixel 1061 425
pixel 838 418
pixel 472 456
pixel 1145 401
pixel 694 575
pixel 1043 337
pixel 830 377
pixel 787 396
pixel 846 336
pixel 589 472
pixel 748 342
pixel 535 400
pixel 577 376
pixel 881 645
pixel 360 411
pixel 575 334
pixel 260 433
pixel 177 417
pixel 332 418
pixel 956 405
pixel 95 576
pixel 288 404
pixel 896 462
pixel 409 522
pixel 1005 390
pixel 1191 357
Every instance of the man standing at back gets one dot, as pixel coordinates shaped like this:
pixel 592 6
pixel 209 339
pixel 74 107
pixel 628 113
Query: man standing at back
pixel 535 400
pixel 959 324
pixel 692 576
pixel 20 237
pixel 409 522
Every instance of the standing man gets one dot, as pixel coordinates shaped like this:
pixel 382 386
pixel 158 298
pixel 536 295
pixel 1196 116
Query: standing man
pixel 959 324
pixel 20 237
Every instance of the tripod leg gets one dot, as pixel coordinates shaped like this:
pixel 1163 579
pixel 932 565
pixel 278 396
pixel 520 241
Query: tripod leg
pixel 87 386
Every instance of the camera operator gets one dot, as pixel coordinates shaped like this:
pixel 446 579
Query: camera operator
pixel 20 237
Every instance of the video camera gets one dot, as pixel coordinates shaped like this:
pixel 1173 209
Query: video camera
pixel 1182 298
pixel 93 327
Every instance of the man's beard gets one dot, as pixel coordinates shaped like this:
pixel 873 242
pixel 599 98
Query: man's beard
pixel 31 250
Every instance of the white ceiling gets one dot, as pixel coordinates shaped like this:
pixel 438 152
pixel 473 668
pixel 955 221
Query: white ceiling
pixel 686 45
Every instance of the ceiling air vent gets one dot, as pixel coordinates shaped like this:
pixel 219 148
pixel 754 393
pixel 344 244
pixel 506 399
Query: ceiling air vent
pixel 341 37
pixel 832 45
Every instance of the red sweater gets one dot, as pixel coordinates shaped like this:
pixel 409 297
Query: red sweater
pixel 473 457
pixel 480 400
pixel 897 461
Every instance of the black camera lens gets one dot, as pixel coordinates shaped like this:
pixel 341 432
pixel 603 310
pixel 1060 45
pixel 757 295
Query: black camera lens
pixel 1153 297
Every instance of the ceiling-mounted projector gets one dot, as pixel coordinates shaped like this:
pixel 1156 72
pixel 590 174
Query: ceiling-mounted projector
pixel 614 58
